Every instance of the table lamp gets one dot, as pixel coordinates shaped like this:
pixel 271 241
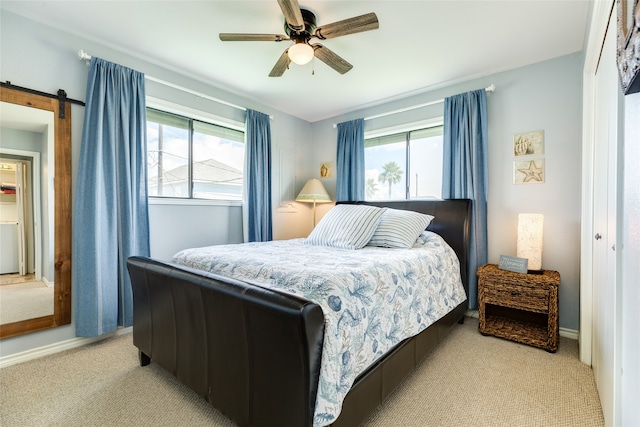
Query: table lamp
pixel 313 191
pixel 530 240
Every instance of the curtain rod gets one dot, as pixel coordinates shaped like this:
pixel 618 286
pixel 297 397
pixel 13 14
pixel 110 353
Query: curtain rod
pixel 490 89
pixel 84 55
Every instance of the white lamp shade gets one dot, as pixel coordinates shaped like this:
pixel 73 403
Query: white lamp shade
pixel 301 53
pixel 530 239
pixel 313 191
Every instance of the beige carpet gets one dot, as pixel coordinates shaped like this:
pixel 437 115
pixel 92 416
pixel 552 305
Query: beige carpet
pixel 21 301
pixel 469 380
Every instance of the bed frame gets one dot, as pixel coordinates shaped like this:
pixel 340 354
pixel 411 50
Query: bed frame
pixel 254 353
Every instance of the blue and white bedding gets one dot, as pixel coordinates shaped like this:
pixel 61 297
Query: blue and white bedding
pixel 372 298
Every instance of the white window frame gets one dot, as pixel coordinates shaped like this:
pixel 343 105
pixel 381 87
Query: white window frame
pixel 404 128
pixel 181 110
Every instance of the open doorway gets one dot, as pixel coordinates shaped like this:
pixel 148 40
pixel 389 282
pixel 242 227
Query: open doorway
pixel 25 292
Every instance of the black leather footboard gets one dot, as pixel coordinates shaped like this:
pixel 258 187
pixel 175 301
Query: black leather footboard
pixel 252 353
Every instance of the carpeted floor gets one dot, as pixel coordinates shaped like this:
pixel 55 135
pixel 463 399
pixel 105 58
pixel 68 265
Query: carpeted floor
pixel 20 301
pixel 469 380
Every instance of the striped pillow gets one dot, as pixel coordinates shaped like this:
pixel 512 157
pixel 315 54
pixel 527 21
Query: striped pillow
pixel 346 227
pixel 399 228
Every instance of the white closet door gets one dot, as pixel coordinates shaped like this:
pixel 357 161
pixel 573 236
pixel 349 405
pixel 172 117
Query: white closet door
pixel 604 261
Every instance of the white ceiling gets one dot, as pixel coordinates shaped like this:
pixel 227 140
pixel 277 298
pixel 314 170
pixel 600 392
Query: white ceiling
pixel 420 45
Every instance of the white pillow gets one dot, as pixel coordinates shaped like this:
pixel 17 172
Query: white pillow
pixel 399 228
pixel 346 226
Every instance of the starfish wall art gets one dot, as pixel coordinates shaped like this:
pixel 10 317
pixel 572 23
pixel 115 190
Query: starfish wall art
pixel 529 171
pixel 528 166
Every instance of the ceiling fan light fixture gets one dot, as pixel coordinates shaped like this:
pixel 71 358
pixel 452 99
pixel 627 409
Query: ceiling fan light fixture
pixel 301 53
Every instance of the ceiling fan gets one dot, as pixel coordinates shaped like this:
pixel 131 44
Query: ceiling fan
pixel 300 27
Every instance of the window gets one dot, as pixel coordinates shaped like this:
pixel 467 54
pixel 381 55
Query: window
pixel 189 158
pixel 405 165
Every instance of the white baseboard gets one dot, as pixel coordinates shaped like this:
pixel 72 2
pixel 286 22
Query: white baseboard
pixel 46 350
pixel 569 333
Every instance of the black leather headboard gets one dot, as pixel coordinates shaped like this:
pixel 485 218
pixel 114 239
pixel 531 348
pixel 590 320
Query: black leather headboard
pixel 451 221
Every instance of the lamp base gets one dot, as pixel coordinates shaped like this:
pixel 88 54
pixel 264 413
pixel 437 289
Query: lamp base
pixel 535 271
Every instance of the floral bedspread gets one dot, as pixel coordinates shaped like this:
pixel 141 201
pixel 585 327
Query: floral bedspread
pixel 372 298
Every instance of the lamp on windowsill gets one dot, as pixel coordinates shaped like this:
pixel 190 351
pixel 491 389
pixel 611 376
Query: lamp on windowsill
pixel 530 240
pixel 313 191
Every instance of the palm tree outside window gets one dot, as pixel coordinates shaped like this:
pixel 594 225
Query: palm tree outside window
pixel 391 173
pixel 403 166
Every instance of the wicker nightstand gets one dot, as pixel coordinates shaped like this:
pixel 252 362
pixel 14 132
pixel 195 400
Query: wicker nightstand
pixel 519 307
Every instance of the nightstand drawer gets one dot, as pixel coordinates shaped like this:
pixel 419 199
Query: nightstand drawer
pixel 520 297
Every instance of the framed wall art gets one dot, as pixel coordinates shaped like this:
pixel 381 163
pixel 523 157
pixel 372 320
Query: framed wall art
pixel 528 171
pixel 628 45
pixel 528 143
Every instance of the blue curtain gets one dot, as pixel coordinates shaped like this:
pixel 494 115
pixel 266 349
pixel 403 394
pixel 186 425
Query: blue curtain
pixel 350 161
pixel 258 178
pixel 111 220
pixel 465 174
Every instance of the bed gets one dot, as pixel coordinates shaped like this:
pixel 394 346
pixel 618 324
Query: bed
pixel 262 355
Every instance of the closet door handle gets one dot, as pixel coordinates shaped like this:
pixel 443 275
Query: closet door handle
pixel 598 236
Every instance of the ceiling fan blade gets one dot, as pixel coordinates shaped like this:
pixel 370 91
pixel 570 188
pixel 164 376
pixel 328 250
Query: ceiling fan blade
pixel 281 66
pixel 331 59
pixel 353 25
pixel 292 13
pixel 242 37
